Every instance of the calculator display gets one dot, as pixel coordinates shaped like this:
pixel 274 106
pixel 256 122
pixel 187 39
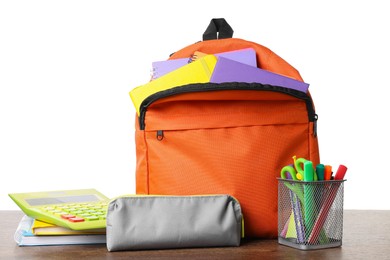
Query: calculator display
pixel 65 199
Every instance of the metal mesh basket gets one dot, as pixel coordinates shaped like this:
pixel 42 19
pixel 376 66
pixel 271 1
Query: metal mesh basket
pixel 310 214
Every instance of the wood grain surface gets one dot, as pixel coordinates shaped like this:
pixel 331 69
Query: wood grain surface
pixel 366 235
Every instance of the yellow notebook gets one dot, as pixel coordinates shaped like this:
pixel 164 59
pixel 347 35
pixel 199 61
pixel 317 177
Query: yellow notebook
pixel 40 228
pixel 198 71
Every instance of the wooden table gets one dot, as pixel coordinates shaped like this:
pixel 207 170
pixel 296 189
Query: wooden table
pixel 366 236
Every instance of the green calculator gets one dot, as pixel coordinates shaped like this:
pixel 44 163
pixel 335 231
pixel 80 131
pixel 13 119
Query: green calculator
pixel 74 209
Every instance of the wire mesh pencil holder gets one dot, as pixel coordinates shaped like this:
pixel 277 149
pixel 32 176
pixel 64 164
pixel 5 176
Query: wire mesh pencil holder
pixel 310 214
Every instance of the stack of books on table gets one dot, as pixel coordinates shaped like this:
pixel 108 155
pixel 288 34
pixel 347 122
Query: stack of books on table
pixel 32 232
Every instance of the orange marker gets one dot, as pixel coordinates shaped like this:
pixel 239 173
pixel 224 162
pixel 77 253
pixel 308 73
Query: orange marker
pixel 328 172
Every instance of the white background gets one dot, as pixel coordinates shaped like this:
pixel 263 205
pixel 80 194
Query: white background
pixel 66 67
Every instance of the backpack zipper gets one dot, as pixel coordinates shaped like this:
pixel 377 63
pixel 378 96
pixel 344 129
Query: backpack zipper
pixel 204 87
pixel 160 135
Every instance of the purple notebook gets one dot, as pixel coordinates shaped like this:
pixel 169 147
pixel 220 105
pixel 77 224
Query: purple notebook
pixel 160 68
pixel 227 70
pixel 246 56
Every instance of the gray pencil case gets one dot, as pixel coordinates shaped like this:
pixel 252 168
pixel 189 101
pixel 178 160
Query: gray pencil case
pixel 158 222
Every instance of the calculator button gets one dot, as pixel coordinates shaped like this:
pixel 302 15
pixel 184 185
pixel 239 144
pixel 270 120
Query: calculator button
pixel 90 218
pixel 55 211
pixel 67 216
pixel 60 213
pixel 84 215
pixel 48 208
pixel 76 219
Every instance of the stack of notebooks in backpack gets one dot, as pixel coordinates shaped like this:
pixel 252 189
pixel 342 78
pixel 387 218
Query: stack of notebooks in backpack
pixel 233 66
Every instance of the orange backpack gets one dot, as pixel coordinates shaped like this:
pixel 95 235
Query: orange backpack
pixel 228 138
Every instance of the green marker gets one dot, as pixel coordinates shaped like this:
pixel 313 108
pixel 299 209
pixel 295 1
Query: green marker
pixel 308 190
pixel 308 171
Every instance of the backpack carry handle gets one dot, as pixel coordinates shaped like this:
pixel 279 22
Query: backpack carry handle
pixel 218 29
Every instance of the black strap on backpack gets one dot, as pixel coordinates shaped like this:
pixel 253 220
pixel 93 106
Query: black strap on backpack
pixel 218 29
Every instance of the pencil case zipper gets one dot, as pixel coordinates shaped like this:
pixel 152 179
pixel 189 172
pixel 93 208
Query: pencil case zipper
pixel 205 87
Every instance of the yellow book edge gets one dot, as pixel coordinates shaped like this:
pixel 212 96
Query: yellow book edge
pixel 41 228
pixel 199 71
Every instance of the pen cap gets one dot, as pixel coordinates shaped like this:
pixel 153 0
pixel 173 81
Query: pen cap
pixel 340 172
pixel 320 169
pixel 308 171
pixel 328 172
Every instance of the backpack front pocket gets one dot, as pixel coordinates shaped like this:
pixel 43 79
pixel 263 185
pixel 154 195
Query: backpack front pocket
pixel 225 141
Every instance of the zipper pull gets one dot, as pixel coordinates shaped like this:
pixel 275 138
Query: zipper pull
pixel 160 135
pixel 315 125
